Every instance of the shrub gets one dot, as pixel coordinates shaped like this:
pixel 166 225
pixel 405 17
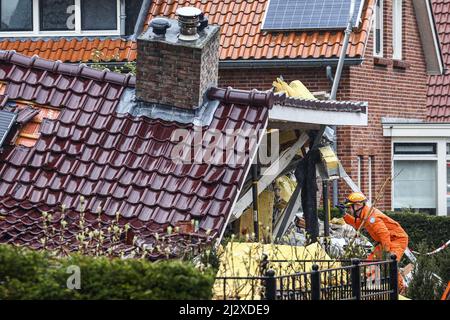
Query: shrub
pixel 424 284
pixel 433 231
pixel 28 274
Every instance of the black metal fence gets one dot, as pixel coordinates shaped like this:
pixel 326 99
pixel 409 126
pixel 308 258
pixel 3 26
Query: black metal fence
pixel 350 280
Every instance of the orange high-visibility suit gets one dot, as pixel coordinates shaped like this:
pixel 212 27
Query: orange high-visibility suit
pixel 388 233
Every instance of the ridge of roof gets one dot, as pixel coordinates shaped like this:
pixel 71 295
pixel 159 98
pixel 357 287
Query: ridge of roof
pixel 81 70
pixel 252 98
pixel 330 105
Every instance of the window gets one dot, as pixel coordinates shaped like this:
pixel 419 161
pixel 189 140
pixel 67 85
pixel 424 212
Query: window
pixel 16 15
pixel 415 185
pixel 369 173
pixel 448 179
pixel 360 161
pixel 378 30
pixel 448 187
pixel 56 15
pixel 89 15
pixel 415 148
pixel 60 17
pixel 397 21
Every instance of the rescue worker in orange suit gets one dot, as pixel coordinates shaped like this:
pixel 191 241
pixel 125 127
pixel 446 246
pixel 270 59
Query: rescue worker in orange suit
pixel 389 235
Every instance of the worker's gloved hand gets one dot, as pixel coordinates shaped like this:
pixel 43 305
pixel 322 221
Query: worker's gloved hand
pixel 342 208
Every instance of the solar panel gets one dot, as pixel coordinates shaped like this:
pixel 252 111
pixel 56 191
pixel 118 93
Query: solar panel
pixel 7 119
pixel 285 15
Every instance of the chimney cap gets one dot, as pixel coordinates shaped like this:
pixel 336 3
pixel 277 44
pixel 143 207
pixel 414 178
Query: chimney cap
pixel 188 12
pixel 160 25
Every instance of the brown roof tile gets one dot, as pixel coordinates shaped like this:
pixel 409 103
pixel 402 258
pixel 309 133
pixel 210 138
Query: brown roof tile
pixel 115 161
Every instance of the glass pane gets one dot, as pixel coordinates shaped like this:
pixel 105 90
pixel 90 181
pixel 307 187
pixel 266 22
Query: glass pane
pixel 448 206
pixel 448 148
pixel 415 184
pixel 89 15
pixel 448 178
pixel 57 15
pixel 415 148
pixel 378 26
pixel 16 15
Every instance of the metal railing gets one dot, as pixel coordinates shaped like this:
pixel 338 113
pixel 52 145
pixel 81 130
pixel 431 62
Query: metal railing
pixel 337 280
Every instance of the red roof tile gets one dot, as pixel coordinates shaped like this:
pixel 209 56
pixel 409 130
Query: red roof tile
pixel 74 50
pixel 117 162
pixel 438 96
pixel 241 38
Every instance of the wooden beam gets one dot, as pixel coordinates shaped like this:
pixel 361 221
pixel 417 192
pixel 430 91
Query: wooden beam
pixel 269 175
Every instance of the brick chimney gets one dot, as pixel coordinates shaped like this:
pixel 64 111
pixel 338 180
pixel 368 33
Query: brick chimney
pixel 178 60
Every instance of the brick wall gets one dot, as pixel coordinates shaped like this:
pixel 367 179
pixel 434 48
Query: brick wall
pixel 390 91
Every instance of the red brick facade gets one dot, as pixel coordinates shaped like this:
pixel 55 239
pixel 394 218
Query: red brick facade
pixel 391 92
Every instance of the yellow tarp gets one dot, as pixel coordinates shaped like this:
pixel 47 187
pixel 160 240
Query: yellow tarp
pixel 243 260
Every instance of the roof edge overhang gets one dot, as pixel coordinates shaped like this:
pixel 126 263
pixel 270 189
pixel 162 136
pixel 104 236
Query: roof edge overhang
pixel 415 129
pixel 280 63
pixel 429 37
pixel 288 114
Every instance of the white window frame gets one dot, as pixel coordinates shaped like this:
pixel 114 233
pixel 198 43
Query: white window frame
pixel 375 12
pixel 437 158
pixel 397 29
pixel 77 32
pixel 447 157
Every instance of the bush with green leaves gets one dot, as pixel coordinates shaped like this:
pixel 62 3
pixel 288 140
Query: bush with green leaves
pixel 433 231
pixel 430 276
pixel 29 274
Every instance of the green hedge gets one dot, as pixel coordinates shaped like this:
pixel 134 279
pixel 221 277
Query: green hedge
pixel 433 231
pixel 28 274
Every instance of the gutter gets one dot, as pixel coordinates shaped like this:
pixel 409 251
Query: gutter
pixel 280 63
pixel 139 27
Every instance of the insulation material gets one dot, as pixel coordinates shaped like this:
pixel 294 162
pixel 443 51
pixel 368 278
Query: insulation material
pixel 295 89
pixel 243 260
pixel 265 216
pixel 284 188
pixel 330 162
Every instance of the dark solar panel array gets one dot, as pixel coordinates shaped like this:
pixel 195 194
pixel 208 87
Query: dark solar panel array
pixel 7 120
pixel 308 14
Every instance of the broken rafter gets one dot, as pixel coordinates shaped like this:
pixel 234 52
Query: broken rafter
pixel 269 175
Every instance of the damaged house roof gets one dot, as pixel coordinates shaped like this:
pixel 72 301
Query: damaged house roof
pixel 80 146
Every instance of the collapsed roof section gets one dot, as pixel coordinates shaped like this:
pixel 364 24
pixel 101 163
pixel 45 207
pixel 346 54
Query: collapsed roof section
pixel 104 165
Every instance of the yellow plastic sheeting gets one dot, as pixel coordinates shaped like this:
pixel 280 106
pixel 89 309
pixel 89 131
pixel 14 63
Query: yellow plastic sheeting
pixel 265 217
pixel 243 260
pixel 295 89
pixel 400 297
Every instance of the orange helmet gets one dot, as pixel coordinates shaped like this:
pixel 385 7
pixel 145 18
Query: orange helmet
pixel 355 197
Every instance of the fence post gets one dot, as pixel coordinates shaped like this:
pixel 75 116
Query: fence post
pixel 356 279
pixel 393 277
pixel 315 283
pixel 271 285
